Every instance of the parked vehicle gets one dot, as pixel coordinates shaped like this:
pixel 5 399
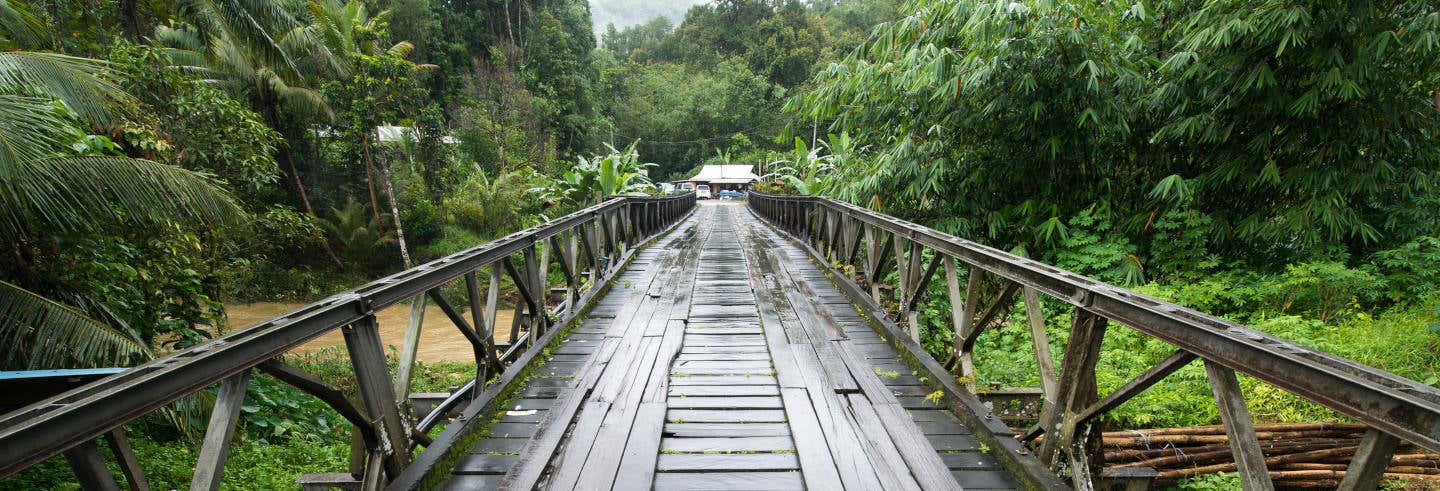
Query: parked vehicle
pixel 731 194
pixel 703 191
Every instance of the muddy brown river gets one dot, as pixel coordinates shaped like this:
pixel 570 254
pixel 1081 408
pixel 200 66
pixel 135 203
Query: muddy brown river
pixel 439 339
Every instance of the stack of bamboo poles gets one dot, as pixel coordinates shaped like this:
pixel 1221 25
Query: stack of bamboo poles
pixel 1302 455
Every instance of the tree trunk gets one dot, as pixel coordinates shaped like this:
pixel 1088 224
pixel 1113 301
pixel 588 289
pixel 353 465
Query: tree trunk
pixel 395 214
pixel 370 175
pixel 129 19
pixel 509 29
pixel 284 156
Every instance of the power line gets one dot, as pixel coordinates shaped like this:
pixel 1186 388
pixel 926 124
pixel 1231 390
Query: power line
pixel 726 136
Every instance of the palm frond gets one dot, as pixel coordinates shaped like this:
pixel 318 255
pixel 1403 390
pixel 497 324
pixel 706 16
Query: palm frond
pixel 30 128
pixel 244 22
pixel 20 28
pixel 304 100
pixel 40 333
pixel 401 49
pixel 78 82
pixel 71 193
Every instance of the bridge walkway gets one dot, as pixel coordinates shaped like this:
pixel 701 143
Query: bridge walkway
pixel 724 359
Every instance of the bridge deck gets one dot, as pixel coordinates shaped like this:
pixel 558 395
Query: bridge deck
pixel 723 359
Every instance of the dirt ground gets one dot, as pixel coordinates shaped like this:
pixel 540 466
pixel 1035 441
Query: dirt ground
pixel 439 339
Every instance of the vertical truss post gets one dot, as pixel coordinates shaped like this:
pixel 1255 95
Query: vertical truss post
pixel 915 280
pixel 1239 428
pixel 1070 441
pixel 1040 339
pixel 210 465
pixel 410 347
pixel 367 358
pixel 872 253
pixel 572 290
pixel 492 303
pixel 1370 461
pixel 89 467
pixel 624 229
pixel 902 270
pixel 602 224
pixel 966 323
pixel 853 244
pixel 484 330
pixel 129 465
pixel 957 306
pixel 538 318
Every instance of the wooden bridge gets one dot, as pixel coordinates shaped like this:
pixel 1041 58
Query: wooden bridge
pixel 659 344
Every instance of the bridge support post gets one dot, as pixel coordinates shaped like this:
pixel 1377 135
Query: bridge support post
pixel 1371 459
pixel 409 348
pixel 1040 339
pixel 89 467
pixel 871 260
pixel 482 330
pixel 1239 428
pixel 367 358
pixel 965 320
pixel 129 465
pixel 1070 440
pixel 210 465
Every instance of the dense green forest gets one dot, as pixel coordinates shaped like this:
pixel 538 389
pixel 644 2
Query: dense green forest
pixel 1271 162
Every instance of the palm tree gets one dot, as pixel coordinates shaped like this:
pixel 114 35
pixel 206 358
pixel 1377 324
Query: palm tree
pixel 359 237
pixel 46 190
pixel 271 74
pixel 490 206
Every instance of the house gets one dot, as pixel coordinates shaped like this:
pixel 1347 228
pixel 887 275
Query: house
pixel 722 177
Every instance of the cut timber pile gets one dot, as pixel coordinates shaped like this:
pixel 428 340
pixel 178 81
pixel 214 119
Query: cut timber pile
pixel 1304 455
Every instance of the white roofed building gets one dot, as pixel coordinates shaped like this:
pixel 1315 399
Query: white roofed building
pixel 719 177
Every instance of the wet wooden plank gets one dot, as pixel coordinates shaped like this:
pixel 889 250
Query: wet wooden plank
pixel 890 467
pixel 637 468
pixel 969 461
pixel 984 480
pixel 813 450
pixel 725 416
pixel 727 366
pixel 724 390
pixel 485 464
pixel 686 350
pixel 838 425
pixel 724 403
pixel 513 430
pixel 469 482
pixel 753 356
pixel 737 444
pixel 752 379
pixel 728 480
pixel 727 462
pixel 720 430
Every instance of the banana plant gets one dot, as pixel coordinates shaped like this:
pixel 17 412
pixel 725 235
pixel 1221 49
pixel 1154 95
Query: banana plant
pixel 804 172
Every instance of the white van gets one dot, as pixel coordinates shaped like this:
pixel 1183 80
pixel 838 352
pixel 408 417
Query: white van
pixel 702 191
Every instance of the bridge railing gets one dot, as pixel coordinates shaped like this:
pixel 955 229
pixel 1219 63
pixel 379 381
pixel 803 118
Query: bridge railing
pixel 875 245
pixel 587 247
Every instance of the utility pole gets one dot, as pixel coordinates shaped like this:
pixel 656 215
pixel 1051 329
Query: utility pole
pixel 814 131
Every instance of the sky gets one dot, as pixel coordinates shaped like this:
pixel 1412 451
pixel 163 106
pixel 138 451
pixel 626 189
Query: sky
pixel 625 13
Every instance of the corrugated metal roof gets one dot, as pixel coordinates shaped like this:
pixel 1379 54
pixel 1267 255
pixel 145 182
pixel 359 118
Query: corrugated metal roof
pixel 726 174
